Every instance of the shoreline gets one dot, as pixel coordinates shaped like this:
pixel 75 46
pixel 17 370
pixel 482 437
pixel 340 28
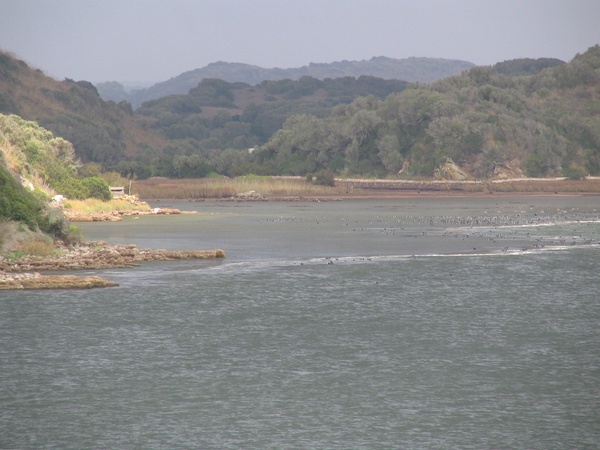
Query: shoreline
pixel 24 272
pixel 117 216
pixel 294 188
pixel 379 194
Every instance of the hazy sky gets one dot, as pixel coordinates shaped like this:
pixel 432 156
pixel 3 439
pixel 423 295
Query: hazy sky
pixel 154 40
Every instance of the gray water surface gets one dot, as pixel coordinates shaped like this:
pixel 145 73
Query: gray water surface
pixel 421 323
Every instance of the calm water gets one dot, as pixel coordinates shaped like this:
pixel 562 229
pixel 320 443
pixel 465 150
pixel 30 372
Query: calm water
pixel 415 323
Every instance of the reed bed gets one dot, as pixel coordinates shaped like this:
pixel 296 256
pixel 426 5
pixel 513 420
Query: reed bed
pixel 221 188
pixel 530 185
pixel 590 185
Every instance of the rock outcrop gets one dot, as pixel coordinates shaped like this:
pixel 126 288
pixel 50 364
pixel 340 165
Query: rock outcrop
pixel 250 195
pixel 23 272
pixel 100 255
pixel 39 281
pixel 450 171
pixel 510 170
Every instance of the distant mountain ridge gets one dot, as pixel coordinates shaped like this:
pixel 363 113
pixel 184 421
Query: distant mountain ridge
pixel 422 70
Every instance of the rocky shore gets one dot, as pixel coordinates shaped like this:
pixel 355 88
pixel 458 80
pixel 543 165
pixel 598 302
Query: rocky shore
pixel 38 281
pixel 115 216
pixel 23 272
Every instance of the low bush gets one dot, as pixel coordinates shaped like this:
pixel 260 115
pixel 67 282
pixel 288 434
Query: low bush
pixel 73 236
pixel 574 173
pixel 96 188
pixel 54 223
pixel 325 178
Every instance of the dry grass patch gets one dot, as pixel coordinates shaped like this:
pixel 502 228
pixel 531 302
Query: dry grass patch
pixel 222 188
pixel 591 185
pixel 9 235
pixel 92 205
pixel 37 247
pixel 17 240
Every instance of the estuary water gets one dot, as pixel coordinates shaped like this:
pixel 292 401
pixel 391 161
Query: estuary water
pixel 364 324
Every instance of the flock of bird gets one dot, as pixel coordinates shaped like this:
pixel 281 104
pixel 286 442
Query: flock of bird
pixel 503 232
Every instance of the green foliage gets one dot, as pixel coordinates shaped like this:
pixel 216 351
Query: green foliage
pixel 35 150
pixel 193 166
pixel 526 66
pixel 481 119
pixel 193 132
pixel 90 170
pixel 70 188
pixel 73 235
pixel 37 154
pixel 96 187
pixel 574 173
pixel 213 92
pixel 325 178
pixel 16 203
pixel 80 189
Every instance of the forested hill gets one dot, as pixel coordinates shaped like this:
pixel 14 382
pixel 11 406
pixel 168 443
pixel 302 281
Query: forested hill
pixel 486 122
pixel 532 117
pixel 217 115
pixel 422 70
pixel 101 131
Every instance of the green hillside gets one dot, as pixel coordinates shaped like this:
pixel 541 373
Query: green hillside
pixel 217 116
pixel 24 205
pixel 17 203
pixel 486 122
pixel 34 166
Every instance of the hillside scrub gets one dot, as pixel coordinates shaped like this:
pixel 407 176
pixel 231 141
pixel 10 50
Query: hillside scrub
pixel 18 204
pixel 213 126
pixel 482 119
pixel 34 165
pixel 36 154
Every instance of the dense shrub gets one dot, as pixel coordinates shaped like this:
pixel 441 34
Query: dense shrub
pixel 16 203
pixel 574 173
pixel 325 178
pixel 80 189
pixel 96 187
pixel 54 223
